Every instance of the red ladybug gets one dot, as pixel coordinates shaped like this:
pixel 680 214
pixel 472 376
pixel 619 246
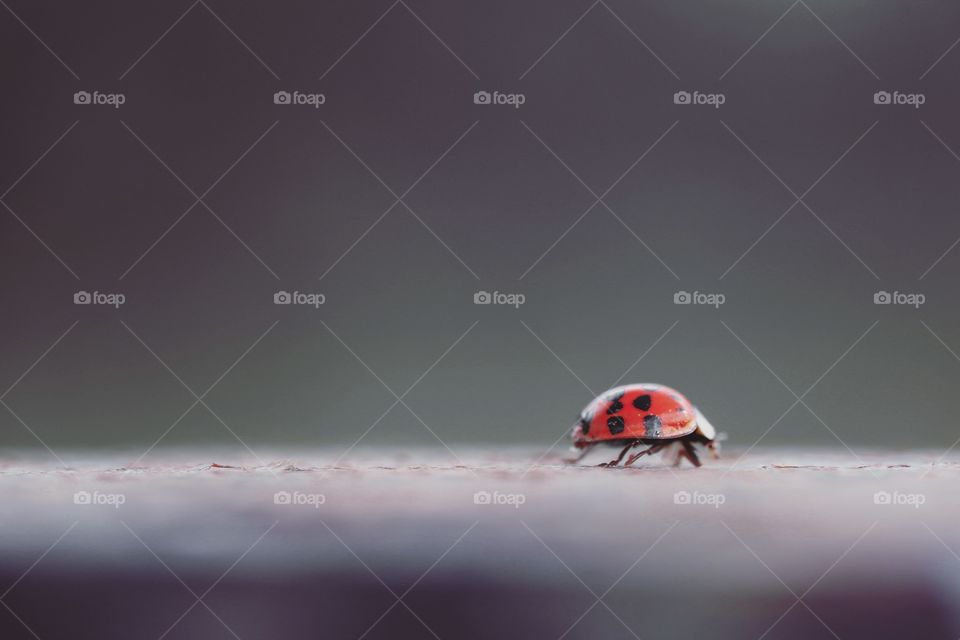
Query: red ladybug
pixel 644 414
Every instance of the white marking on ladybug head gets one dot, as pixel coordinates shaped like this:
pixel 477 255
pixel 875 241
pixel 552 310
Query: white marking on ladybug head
pixel 705 427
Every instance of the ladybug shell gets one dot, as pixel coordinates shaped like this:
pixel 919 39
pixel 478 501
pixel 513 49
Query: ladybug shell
pixel 648 411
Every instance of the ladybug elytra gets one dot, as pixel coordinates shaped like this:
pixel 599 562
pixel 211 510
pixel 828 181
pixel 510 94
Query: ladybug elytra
pixel 644 414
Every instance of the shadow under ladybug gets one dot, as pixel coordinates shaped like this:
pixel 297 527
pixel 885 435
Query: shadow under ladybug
pixel 644 414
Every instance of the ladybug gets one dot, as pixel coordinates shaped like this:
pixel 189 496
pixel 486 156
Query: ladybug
pixel 644 414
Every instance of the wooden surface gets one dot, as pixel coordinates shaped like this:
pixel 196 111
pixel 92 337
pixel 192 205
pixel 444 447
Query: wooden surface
pixel 725 550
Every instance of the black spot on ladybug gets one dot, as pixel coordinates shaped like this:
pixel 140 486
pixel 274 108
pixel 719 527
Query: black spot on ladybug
pixel 615 405
pixel 615 424
pixel 584 426
pixel 642 402
pixel 652 424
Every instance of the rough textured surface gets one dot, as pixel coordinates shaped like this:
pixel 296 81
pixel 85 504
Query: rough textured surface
pixel 755 536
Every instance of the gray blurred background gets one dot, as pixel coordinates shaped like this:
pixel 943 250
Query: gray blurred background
pixel 297 198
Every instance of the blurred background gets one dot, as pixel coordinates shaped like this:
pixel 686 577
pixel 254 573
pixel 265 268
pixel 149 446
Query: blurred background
pixel 197 192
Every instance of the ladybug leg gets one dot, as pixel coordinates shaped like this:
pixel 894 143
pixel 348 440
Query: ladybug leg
pixel 623 452
pixel 689 453
pixel 714 447
pixel 675 454
pixel 645 452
